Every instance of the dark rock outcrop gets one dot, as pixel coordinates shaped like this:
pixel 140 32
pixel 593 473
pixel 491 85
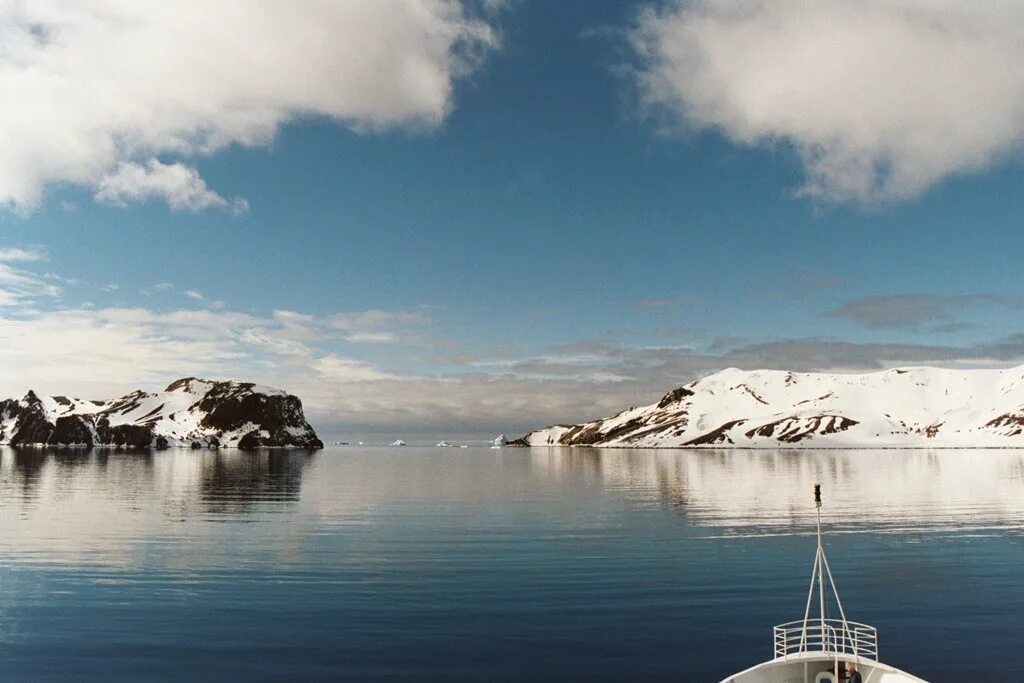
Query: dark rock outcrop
pixel 230 406
pixel 71 430
pixel 190 413
pixel 32 425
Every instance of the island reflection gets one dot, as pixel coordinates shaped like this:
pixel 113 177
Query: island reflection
pixel 204 481
pixel 881 489
pixel 113 506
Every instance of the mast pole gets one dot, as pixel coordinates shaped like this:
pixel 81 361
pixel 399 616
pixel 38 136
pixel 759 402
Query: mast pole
pixel 821 555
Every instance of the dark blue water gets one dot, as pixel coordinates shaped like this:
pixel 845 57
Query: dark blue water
pixel 496 565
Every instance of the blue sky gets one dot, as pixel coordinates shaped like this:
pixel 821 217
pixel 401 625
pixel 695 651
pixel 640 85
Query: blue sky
pixel 574 222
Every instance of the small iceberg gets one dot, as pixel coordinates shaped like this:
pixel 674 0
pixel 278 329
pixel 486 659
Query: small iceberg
pixel 499 441
pixel 445 444
pixel 397 442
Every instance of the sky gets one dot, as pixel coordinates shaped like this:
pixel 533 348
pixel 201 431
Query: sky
pixel 433 216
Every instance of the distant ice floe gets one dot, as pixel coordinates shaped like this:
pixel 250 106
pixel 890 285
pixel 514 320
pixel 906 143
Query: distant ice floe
pixel 445 444
pixel 397 442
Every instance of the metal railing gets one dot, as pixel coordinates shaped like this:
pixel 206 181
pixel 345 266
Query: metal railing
pixel 830 636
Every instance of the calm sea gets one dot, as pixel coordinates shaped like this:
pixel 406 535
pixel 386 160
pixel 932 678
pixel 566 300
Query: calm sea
pixel 427 564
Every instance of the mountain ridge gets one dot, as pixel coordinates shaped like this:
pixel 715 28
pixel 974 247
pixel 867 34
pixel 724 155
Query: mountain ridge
pixel 190 412
pixel 903 407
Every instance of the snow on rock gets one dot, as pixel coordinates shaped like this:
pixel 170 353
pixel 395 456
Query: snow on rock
pixel 190 412
pixel 903 407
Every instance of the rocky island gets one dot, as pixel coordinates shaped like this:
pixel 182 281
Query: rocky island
pixel 189 413
pixel 915 407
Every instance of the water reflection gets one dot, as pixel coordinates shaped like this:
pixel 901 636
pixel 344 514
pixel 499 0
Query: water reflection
pixel 480 564
pixel 109 504
pixel 221 481
pixel 235 482
pixel 28 465
pixel 896 490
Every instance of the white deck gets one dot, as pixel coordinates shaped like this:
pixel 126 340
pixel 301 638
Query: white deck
pixel 805 667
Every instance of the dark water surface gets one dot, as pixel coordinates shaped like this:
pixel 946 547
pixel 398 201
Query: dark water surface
pixel 504 565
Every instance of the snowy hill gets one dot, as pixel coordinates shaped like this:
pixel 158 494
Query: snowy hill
pixel 904 407
pixel 191 412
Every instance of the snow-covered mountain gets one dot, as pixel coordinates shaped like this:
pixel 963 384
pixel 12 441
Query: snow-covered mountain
pixel 903 407
pixel 190 412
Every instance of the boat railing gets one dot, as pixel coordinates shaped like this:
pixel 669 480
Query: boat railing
pixel 829 636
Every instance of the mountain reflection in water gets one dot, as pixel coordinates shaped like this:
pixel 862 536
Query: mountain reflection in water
pixel 768 490
pixel 216 480
pixel 409 564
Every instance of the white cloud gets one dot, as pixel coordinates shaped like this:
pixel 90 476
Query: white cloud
pixel 101 352
pixel 339 369
pixel 89 86
pixel 97 350
pixel 179 185
pixel 372 337
pixel 882 99
pixel 70 281
pixel 193 294
pixel 22 254
pixel 18 286
pixel 376 326
pixel 111 287
pixel 374 319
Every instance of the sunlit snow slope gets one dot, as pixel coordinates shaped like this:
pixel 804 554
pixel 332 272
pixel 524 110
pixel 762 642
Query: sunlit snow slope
pixel 904 407
pixel 191 412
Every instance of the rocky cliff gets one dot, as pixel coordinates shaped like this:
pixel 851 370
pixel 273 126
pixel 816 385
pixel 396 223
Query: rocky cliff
pixel 190 412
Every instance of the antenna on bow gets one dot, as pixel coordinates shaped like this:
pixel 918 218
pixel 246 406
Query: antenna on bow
pixel 818 573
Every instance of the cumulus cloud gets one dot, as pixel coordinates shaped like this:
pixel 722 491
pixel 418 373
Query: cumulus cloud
pixel 94 93
pixel 179 185
pixel 881 99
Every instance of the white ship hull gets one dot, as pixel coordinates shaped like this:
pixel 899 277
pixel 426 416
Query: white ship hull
pixel 809 667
